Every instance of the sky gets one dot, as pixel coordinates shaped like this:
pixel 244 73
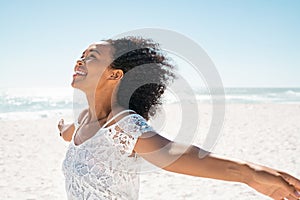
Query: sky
pixel 253 43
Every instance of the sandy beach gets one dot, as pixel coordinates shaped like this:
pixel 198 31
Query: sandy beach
pixel 31 154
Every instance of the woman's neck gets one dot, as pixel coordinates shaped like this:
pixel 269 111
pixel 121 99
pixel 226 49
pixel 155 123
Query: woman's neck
pixel 99 106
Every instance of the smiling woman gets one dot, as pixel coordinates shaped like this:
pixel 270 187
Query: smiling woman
pixel 91 66
pixel 123 81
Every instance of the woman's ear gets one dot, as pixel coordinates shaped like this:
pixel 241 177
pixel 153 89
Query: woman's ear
pixel 116 74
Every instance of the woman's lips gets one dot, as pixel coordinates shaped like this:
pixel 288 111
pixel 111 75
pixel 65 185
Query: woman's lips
pixel 81 73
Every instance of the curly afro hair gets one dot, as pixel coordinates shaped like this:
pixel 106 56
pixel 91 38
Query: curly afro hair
pixel 147 72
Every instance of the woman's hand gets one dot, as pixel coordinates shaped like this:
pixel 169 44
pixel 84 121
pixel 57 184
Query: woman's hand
pixel 275 184
pixel 61 126
pixel 66 130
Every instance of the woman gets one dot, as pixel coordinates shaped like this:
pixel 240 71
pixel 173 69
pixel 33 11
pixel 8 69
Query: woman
pixel 111 138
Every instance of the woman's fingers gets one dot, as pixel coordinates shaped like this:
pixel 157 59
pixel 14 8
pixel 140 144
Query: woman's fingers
pixel 292 193
pixel 292 197
pixel 284 194
pixel 285 191
pixel 297 193
pixel 291 180
pixel 60 124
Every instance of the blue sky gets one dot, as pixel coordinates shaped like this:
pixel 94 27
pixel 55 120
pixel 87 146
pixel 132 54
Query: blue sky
pixel 253 43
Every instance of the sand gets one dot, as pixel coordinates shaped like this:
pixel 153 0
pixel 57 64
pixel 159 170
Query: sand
pixel 31 154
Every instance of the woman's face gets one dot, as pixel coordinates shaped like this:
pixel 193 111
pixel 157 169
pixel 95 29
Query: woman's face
pixel 91 71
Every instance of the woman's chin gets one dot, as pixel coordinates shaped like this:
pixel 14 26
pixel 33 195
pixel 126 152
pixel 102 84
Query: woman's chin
pixel 78 87
pixel 75 85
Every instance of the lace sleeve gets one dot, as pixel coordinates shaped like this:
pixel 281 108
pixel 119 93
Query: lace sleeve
pixel 128 130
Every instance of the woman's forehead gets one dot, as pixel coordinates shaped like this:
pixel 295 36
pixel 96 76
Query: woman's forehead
pixel 102 46
pixel 99 44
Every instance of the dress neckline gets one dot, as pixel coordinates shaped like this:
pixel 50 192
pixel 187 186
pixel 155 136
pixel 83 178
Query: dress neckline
pixel 104 127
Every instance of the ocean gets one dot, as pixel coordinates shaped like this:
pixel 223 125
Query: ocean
pixel 29 103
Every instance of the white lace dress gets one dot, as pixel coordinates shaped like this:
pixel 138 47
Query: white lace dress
pixel 103 166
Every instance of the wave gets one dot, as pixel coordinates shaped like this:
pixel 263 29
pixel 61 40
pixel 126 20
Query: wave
pixel 34 99
pixel 18 103
pixel 32 115
pixel 292 93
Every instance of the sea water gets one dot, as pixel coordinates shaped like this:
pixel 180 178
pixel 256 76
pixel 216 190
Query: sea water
pixel 31 103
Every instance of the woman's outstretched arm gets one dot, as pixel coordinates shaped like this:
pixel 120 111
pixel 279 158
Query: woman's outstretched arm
pixel 189 160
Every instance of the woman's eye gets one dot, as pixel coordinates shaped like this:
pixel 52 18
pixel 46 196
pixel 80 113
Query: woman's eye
pixel 90 56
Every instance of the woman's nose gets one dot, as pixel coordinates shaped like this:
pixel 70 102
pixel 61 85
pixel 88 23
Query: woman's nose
pixel 78 64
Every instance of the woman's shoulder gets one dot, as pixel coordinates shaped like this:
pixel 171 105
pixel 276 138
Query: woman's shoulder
pixel 134 122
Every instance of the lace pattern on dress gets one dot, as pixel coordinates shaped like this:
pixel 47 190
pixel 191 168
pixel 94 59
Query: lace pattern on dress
pixel 101 167
pixel 125 133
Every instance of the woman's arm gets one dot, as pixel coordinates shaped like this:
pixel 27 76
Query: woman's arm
pixel 67 130
pixel 186 160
